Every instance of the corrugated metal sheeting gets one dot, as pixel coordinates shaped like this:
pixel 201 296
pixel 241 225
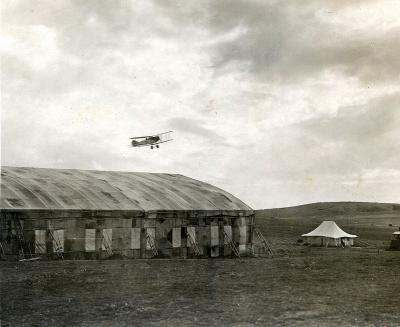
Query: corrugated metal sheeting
pixel 43 188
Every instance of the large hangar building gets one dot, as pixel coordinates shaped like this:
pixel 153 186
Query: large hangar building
pixel 82 214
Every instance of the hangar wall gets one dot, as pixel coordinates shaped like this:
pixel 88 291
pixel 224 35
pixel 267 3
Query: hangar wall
pixel 100 235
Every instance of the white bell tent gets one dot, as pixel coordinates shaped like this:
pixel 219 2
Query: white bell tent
pixel 329 234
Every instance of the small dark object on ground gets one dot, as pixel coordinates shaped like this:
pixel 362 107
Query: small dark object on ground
pixel 395 245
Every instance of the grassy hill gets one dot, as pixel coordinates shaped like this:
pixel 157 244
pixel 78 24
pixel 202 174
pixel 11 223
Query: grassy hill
pixel 300 285
pixel 373 222
pixel 332 209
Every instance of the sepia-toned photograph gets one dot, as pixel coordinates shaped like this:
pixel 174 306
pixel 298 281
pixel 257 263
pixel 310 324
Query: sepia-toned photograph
pixel 200 163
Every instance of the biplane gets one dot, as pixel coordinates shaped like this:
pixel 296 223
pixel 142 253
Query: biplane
pixel 151 140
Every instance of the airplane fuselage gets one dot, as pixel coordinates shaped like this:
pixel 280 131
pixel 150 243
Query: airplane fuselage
pixel 147 141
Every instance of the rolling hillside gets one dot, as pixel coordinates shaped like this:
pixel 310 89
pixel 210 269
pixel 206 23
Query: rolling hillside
pixel 373 222
pixel 332 209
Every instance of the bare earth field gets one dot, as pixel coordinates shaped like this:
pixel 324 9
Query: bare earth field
pixel 300 286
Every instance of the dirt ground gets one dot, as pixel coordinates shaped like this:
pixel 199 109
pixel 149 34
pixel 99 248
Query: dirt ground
pixel 300 286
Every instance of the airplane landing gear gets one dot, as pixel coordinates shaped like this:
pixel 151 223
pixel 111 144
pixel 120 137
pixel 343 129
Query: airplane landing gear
pixel 152 147
pixel 157 146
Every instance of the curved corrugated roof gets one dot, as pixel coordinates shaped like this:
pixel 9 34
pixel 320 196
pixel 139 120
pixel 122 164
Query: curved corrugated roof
pixel 43 188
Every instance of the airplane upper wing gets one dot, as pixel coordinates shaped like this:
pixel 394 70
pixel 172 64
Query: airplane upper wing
pixel 140 137
pixel 145 136
pixel 163 133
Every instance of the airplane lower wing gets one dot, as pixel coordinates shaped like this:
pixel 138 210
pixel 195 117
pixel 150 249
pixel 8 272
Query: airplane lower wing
pixel 139 145
pixel 151 144
pixel 161 142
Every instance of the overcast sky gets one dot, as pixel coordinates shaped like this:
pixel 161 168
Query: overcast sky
pixel 278 102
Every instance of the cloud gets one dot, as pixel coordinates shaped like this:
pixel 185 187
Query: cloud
pixel 359 124
pixel 195 127
pixel 338 146
pixel 292 41
pixel 357 139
